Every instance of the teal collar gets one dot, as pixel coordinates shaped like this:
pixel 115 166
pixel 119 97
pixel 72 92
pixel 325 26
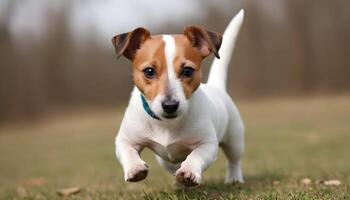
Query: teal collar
pixel 148 109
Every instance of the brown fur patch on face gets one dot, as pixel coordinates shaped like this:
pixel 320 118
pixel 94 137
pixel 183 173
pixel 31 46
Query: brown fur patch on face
pixel 187 56
pixel 151 54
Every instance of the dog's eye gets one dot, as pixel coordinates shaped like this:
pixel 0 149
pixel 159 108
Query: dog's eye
pixel 149 72
pixel 187 71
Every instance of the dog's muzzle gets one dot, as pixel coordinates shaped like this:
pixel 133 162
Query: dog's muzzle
pixel 170 107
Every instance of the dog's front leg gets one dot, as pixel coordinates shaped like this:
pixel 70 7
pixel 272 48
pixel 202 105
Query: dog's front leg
pixel 196 162
pixel 135 169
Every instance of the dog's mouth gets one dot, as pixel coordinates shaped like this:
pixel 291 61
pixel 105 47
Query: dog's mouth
pixel 169 116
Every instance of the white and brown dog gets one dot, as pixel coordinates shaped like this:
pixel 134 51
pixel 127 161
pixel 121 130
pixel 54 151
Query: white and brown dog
pixel 171 112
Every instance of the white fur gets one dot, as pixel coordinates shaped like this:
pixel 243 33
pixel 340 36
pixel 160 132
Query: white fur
pixel 187 145
pixel 174 89
pixel 170 51
pixel 218 70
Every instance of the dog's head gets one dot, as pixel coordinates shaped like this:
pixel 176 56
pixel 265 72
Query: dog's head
pixel 167 68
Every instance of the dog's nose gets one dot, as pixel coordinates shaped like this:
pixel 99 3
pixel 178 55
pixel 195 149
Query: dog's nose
pixel 170 106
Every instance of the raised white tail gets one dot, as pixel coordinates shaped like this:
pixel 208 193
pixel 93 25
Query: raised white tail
pixel 219 68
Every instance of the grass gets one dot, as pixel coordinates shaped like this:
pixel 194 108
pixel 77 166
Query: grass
pixel 286 140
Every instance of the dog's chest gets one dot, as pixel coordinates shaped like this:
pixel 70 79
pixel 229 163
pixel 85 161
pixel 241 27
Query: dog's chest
pixel 170 146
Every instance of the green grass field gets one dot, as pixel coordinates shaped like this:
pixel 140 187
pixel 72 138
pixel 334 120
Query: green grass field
pixel 286 140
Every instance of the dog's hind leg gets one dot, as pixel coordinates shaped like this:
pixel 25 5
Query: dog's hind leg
pixel 233 147
pixel 170 167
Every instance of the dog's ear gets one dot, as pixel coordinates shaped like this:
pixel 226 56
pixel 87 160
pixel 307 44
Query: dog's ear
pixel 128 43
pixel 204 41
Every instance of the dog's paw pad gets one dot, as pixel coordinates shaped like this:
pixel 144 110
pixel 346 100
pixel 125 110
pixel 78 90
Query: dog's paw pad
pixel 187 178
pixel 137 173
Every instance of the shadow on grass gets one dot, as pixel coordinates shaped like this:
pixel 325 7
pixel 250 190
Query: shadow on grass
pixel 216 189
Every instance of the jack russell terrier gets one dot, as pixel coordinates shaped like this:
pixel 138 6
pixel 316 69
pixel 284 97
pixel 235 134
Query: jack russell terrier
pixel 182 120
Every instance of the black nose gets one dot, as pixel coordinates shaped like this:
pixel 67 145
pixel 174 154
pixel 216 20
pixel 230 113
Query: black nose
pixel 170 106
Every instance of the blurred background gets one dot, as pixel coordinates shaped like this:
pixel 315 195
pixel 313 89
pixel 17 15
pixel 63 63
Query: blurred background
pixel 57 55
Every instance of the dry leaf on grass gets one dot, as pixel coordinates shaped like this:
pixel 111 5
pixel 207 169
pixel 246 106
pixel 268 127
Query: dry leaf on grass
pixel 332 182
pixel 306 181
pixel 69 191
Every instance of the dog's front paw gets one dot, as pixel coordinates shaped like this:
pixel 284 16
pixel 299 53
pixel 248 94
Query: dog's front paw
pixel 136 173
pixel 187 177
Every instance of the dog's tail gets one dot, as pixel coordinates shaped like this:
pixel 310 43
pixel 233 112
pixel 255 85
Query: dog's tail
pixel 219 68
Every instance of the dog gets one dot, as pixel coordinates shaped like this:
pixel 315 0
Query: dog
pixel 183 121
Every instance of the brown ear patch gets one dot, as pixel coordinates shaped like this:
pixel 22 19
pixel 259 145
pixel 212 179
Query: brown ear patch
pixel 128 43
pixel 204 41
